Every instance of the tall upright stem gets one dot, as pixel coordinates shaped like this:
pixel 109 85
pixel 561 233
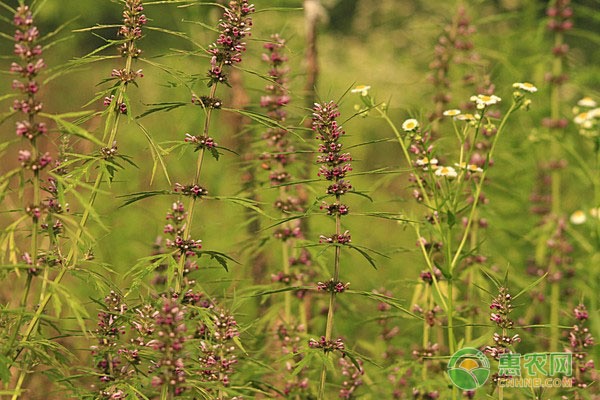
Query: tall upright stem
pixel 557 68
pixel 332 298
pixel 191 206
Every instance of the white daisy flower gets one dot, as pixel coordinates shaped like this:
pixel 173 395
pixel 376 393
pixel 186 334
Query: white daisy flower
pixel 451 113
pixel 469 167
pixel 578 217
pixel 447 172
pixel 526 86
pixel 582 118
pixel 468 117
pixel 362 89
pixel 482 100
pixel 410 125
pixel 422 162
pixel 587 102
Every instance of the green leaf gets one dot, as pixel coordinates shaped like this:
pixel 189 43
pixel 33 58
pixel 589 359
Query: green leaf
pixel 241 201
pixel 73 129
pixel 134 197
pixel 451 219
pixel 147 265
pixel 306 360
pixel 274 291
pixel 157 155
pixel 221 258
pixel 364 251
pixel 531 285
pixel 157 107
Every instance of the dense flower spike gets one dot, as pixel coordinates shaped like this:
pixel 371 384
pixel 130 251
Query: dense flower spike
pixel 175 229
pixel 171 332
pixel 279 155
pixel 501 307
pixel 218 348
pixel 352 377
pixel 335 165
pixel 580 343
pixel 31 63
pixel 454 47
pixel 234 27
pixel 111 359
pixel 131 30
pixel 43 212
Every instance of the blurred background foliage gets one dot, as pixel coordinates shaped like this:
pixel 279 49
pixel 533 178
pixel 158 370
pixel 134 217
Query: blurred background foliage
pixel 387 44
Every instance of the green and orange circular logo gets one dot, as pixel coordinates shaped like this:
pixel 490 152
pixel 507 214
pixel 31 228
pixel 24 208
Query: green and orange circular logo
pixel 468 368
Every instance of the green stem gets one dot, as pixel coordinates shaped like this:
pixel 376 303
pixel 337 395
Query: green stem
pixel 387 119
pixel 471 290
pixel 72 256
pixel 332 298
pixel 191 205
pixel 17 389
pixel 287 296
pixel 555 150
pixel 478 188
pixel 426 329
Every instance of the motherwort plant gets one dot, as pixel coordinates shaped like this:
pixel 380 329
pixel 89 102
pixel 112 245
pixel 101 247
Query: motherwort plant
pixel 234 28
pixel 335 164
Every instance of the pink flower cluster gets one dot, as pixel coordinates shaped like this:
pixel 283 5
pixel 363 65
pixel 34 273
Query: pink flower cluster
pixel 234 27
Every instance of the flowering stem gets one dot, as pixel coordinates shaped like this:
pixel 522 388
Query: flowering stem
pixel 286 271
pixel 471 290
pixel 555 189
pixel 73 253
pixel 426 328
pixel 192 203
pixel 477 194
pixel 332 297
pixel 387 119
pixel 17 389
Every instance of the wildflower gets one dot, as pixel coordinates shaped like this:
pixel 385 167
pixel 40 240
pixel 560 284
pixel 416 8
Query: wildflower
pixel 502 306
pixel 217 346
pixel 362 89
pixel 587 102
pixel 579 342
pixel 234 26
pixel 424 162
pixel 192 190
pixel 333 286
pixel 595 212
pixel 468 117
pixel 578 217
pixel 582 118
pixel 526 86
pixel 352 378
pixel 482 101
pixel 327 345
pixel 469 167
pixel 131 30
pixel 410 125
pixel 447 172
pixel 169 321
pixel 451 113
pixel 29 52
